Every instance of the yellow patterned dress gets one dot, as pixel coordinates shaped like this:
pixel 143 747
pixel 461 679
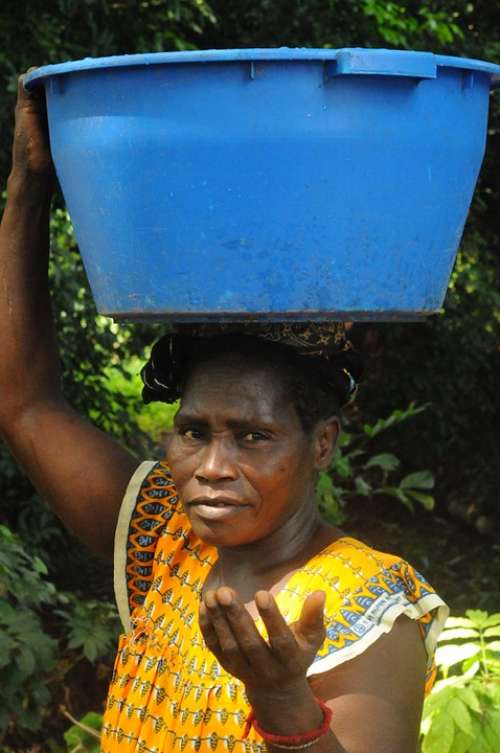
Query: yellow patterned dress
pixel 168 692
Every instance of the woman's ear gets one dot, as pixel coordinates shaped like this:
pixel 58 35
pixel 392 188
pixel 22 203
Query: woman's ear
pixel 326 435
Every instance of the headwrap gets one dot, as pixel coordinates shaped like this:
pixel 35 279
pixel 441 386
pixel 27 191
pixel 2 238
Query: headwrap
pixel 326 342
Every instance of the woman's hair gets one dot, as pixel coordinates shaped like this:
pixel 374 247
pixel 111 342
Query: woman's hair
pixel 317 388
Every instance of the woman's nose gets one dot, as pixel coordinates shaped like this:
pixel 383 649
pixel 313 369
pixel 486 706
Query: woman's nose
pixel 216 463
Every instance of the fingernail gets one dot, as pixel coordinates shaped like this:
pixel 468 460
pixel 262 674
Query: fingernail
pixel 210 599
pixel 224 597
pixel 263 599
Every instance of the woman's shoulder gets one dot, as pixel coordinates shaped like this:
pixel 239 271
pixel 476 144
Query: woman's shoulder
pixel 356 562
pixel 367 583
pixel 366 591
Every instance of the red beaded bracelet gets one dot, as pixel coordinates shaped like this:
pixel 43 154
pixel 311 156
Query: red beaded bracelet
pixel 291 740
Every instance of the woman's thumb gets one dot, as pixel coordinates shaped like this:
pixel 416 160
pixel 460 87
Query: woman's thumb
pixel 311 622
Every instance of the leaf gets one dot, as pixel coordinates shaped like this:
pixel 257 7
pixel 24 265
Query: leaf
pixel 39 566
pixel 447 656
pixel 362 488
pixel 7 611
pixel 31 719
pixel 460 714
pixel 477 731
pixel 396 417
pixel 26 661
pixel 470 667
pixel 453 633
pixel 461 743
pixel 493 646
pixel 6 646
pixel 480 743
pixel 453 622
pixel 394 491
pixel 79 740
pixel 439 739
pixel 478 617
pixel 491 730
pixel 90 649
pixel 342 466
pixel 425 724
pixel 492 632
pixel 344 439
pixel 325 484
pixel 493 665
pixel 493 619
pixel 426 500
pixel 386 460
pixel 418 480
pixel 470 698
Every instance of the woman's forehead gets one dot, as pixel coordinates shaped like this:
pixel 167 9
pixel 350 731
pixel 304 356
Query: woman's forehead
pixel 245 390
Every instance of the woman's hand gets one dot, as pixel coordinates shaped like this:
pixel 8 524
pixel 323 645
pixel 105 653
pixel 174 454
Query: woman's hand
pixel 31 150
pixel 263 666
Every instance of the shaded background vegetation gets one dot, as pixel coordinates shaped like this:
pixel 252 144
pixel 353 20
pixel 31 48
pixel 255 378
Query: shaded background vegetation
pixel 450 363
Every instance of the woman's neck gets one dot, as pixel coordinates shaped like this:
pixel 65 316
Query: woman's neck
pixel 287 544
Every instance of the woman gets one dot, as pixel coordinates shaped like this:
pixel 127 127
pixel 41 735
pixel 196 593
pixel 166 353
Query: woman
pixel 250 623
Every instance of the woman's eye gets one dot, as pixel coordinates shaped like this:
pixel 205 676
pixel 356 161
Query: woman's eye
pixel 253 436
pixel 191 433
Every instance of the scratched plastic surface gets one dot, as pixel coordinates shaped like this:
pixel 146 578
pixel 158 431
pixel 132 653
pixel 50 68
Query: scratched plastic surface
pixel 276 184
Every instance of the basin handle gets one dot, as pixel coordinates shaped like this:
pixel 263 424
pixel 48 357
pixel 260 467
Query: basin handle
pixel 419 65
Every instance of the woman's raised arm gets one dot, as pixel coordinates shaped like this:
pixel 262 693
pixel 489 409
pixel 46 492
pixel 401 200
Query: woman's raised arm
pixel 79 470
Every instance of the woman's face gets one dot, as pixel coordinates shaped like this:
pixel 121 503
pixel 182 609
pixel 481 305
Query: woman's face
pixel 239 457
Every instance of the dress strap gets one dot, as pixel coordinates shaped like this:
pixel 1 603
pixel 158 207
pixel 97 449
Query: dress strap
pixel 144 512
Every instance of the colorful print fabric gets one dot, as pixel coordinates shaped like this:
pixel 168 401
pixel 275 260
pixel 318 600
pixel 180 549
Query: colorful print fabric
pixel 168 692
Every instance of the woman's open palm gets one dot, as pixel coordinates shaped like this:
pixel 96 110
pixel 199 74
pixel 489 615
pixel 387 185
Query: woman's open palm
pixel 281 661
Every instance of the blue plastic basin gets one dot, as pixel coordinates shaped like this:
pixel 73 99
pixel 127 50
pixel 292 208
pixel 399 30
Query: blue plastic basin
pixel 277 184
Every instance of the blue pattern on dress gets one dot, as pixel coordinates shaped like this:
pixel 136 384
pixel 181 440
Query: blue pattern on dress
pixel 144 540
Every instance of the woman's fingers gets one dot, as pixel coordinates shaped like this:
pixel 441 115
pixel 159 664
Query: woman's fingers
pixel 208 630
pixel 281 638
pixel 231 635
pixel 31 150
pixel 249 640
pixel 310 626
pixel 215 618
pixel 36 94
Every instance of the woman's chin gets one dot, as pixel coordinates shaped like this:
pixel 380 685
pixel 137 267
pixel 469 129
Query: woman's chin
pixel 221 533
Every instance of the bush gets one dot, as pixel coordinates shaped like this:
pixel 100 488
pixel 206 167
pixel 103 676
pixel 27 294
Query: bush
pixel 34 663
pixel 358 470
pixel 27 652
pixel 462 714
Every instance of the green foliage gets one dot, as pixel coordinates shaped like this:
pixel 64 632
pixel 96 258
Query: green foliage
pixel 462 714
pixel 90 342
pixel 27 653
pixel 83 736
pixel 152 420
pixel 31 663
pixel 91 627
pixel 357 472
pixel 337 23
pixel 399 26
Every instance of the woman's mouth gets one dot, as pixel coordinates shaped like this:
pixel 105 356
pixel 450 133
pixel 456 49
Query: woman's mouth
pixel 216 508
